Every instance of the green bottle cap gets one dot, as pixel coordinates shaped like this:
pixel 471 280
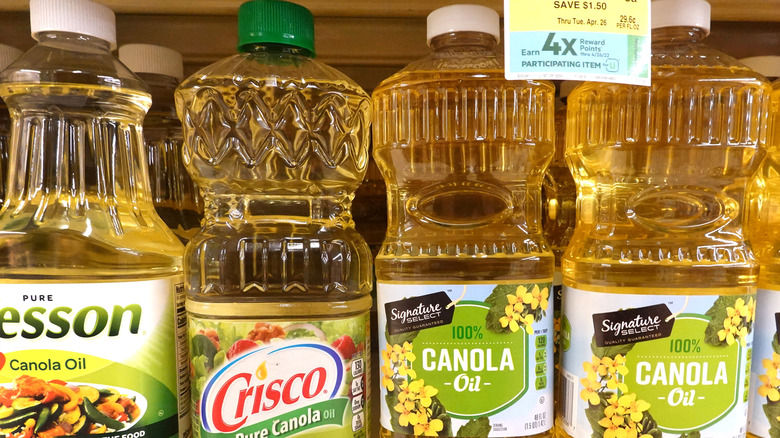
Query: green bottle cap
pixel 275 21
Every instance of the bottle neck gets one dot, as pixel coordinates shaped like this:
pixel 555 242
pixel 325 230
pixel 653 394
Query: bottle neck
pixel 162 88
pixel 231 208
pixel 458 41
pixel 276 48
pixel 678 34
pixel 73 41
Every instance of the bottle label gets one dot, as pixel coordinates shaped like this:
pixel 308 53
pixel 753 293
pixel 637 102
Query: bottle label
pixel 466 359
pixel 94 358
pixel 604 41
pixel 262 379
pixel 765 386
pixel 656 365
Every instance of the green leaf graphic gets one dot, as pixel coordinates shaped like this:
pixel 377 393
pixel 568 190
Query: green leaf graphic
pixel 775 345
pixel 439 412
pixel 772 411
pixel 612 351
pixel 476 428
pixel 594 414
pixel 718 314
pixel 694 434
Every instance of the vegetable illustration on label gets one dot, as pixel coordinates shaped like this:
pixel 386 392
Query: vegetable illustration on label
pixel 262 379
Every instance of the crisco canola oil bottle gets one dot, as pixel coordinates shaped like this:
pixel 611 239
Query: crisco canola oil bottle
pixel 464 274
pixel 764 233
pixel 174 195
pixel 278 280
pixel 91 279
pixel 659 281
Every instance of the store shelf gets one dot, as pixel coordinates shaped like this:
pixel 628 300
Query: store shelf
pixel 367 39
pixel 727 10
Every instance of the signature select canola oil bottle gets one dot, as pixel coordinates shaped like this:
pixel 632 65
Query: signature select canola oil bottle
pixel 464 275
pixel 659 282
pixel 92 294
pixel 278 279
pixel 764 232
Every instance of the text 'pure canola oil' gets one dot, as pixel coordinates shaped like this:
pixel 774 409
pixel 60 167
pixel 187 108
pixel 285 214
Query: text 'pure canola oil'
pixel 464 275
pixel 659 281
pixel 278 280
pixel 764 233
pixel 92 292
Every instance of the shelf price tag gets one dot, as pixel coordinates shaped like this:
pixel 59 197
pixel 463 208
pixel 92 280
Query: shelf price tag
pixel 604 41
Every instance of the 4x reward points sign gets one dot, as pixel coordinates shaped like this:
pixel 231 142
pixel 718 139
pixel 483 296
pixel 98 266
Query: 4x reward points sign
pixel 603 41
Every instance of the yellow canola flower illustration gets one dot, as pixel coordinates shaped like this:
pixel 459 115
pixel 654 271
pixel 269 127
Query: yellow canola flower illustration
pixel 414 398
pixel 522 301
pixel 623 417
pixel 603 374
pixel 431 428
pixel 770 384
pixel 738 318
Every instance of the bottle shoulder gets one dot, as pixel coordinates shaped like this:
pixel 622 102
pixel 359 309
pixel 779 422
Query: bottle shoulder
pixel 273 71
pixel 67 62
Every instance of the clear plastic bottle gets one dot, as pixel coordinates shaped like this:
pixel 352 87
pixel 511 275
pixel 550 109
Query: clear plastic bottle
pixel 8 55
pixel 659 280
pixel 91 277
pixel 278 279
pixel 559 213
pixel 175 196
pixel 764 234
pixel 464 274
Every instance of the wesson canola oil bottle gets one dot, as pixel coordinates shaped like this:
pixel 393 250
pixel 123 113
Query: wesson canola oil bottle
pixel 278 280
pixel 764 233
pixel 8 55
pixel 92 295
pixel 464 275
pixel 659 282
pixel 174 195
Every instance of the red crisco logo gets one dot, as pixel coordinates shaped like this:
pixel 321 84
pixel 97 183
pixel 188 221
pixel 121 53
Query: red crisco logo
pixel 268 382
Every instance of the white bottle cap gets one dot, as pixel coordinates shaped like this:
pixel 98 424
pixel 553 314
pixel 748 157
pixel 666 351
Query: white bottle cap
pixel 463 18
pixel 8 55
pixel 149 58
pixel 673 13
pixel 77 16
pixel 768 66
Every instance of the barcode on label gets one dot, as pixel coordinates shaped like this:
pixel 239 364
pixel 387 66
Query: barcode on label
pixel 568 401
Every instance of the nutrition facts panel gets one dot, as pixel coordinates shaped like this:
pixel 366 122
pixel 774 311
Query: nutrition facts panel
pixel 605 41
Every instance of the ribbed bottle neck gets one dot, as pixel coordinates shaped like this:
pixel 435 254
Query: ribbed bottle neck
pixel 463 41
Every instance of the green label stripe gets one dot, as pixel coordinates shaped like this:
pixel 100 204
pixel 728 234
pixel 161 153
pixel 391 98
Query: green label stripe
pixel 324 413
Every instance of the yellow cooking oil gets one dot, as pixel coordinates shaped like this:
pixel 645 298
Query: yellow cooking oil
pixel 91 277
pixel 559 214
pixel 8 55
pixel 175 196
pixel 278 280
pixel 464 275
pixel 659 296
pixel 764 234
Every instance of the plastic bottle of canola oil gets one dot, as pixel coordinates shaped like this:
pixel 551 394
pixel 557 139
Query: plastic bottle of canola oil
pixel 764 233
pixel 91 278
pixel 8 55
pixel 559 198
pixel 464 275
pixel 175 196
pixel 659 281
pixel 278 280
